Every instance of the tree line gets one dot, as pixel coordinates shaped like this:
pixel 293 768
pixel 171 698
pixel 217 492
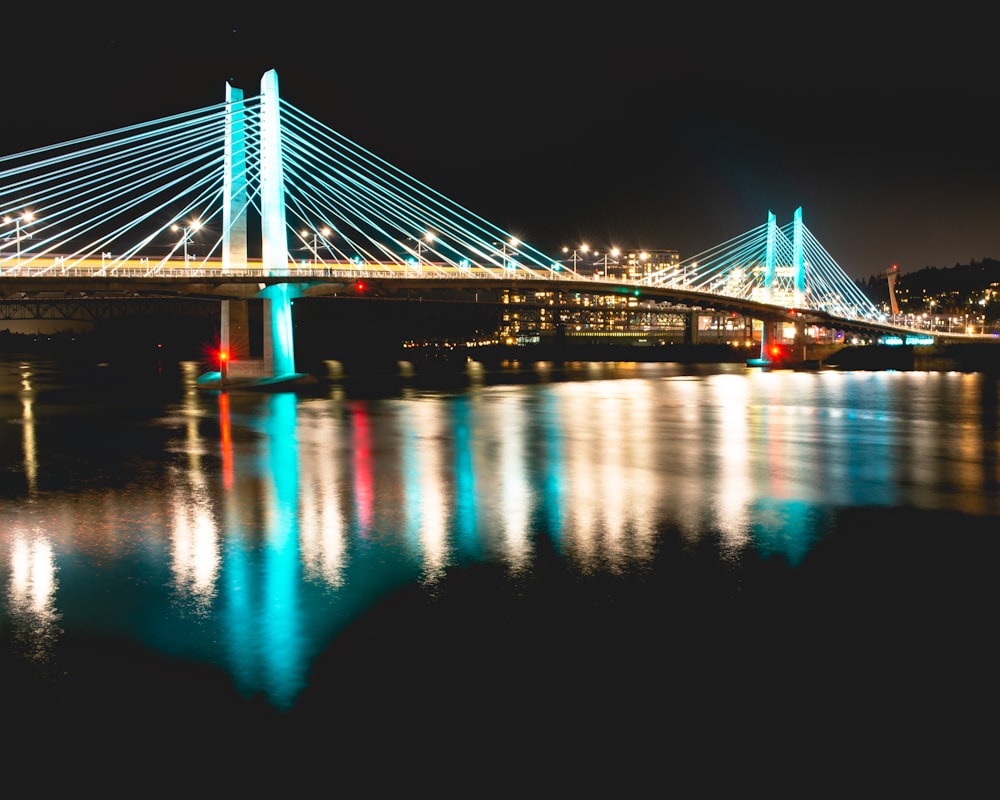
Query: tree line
pixel 953 289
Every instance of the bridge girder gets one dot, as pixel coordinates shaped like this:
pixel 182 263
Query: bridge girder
pixel 101 309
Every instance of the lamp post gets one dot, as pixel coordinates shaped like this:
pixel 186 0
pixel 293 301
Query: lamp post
pixel 576 258
pixel 428 237
pixel 26 217
pixel 614 253
pixel 186 232
pixel 503 250
pixel 315 242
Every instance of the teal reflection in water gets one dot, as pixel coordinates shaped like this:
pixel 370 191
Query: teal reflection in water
pixel 466 480
pixel 553 473
pixel 786 528
pixel 285 670
pixel 253 532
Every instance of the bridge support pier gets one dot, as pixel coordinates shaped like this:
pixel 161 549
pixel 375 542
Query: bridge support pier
pixel 799 344
pixel 242 363
pixel 235 329
pixel 265 358
pixel 770 338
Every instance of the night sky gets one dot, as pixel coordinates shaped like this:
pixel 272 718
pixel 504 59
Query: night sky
pixel 630 125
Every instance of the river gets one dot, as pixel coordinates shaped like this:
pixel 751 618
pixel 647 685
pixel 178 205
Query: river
pixel 587 573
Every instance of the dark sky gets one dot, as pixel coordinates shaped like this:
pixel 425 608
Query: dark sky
pixel 636 125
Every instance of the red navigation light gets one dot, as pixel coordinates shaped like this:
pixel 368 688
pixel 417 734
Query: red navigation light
pixel 360 286
pixel 224 366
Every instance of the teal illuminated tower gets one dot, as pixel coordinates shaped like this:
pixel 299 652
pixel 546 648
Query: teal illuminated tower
pixel 277 360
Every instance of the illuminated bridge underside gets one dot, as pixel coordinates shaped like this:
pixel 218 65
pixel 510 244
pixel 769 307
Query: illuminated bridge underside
pixel 168 206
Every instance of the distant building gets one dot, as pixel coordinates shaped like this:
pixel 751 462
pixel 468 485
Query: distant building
pixel 638 264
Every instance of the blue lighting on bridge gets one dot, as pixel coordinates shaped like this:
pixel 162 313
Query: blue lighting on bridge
pixel 910 339
pixel 306 172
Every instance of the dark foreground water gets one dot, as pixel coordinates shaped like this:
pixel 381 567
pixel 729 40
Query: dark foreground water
pixel 610 579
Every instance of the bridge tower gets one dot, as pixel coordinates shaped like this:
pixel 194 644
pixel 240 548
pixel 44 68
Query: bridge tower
pixel 769 336
pixel 768 330
pixel 798 261
pixel 278 358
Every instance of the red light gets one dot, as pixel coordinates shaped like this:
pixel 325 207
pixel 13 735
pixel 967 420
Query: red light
pixel 360 286
pixel 223 355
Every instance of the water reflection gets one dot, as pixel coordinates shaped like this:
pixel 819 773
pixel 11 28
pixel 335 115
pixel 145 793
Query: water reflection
pixel 323 522
pixel 425 484
pixel 288 517
pixel 195 549
pixel 511 477
pixel 28 426
pixel 281 619
pixel 31 594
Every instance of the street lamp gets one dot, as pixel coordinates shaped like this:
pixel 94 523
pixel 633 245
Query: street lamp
pixel 576 258
pixel 315 242
pixel 186 232
pixel 604 259
pixel 503 250
pixel 26 217
pixel 428 237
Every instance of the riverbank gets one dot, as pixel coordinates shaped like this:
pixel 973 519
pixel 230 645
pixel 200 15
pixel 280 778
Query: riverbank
pixel 137 352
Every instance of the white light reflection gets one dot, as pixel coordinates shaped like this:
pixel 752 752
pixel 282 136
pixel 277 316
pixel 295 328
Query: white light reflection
pixel 735 489
pixel 424 476
pixel 640 496
pixel 194 550
pixel 513 490
pixel 683 451
pixel 322 522
pixel 28 428
pixel 32 594
pixel 613 484
pixel 584 495
pixel 194 544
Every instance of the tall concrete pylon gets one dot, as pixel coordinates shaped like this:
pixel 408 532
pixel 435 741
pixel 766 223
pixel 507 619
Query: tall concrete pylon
pixel 234 208
pixel 278 357
pixel 274 232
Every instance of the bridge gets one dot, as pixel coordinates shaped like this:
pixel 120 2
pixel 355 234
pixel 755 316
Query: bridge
pixel 254 200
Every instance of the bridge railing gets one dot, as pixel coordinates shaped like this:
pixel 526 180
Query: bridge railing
pixel 56 268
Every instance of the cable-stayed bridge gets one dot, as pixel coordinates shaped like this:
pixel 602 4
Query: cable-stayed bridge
pixel 255 198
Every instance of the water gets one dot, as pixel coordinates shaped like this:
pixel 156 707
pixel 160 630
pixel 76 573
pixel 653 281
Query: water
pixel 595 572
